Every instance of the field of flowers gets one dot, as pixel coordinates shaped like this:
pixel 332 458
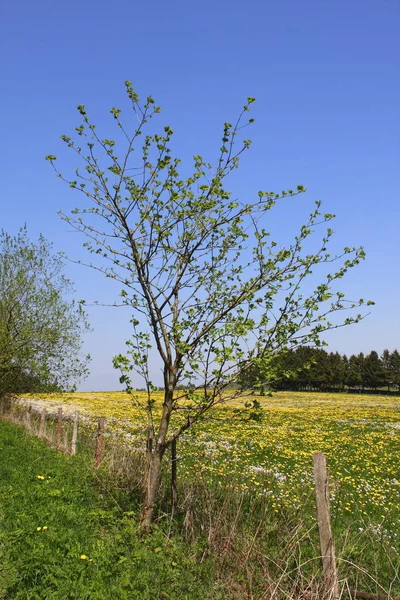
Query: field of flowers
pixel 360 435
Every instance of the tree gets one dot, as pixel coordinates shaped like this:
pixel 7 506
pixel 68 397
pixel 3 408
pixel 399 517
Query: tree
pixel 337 367
pixel 391 367
pixel 262 373
pixel 345 372
pixel 374 373
pixel 40 331
pixel 386 365
pixel 355 371
pixel 395 369
pixel 207 286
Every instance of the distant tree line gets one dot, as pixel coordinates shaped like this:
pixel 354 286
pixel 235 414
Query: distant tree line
pixel 306 368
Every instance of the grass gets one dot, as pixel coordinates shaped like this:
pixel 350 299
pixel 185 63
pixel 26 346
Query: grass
pixel 251 503
pixel 63 536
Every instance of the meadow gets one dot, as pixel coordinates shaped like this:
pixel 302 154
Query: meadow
pixel 270 457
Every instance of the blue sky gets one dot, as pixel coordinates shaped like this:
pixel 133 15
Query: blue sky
pixel 326 78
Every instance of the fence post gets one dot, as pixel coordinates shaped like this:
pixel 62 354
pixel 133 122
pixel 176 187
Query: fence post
pixel 99 443
pixel 65 439
pixel 59 427
pixel 74 441
pixel 42 424
pixel 6 404
pixel 28 415
pixel 331 585
pixel 174 491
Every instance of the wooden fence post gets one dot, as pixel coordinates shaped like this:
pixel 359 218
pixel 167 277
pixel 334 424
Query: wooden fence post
pixel 174 491
pixel 74 441
pixel 28 415
pixel 99 443
pixel 64 444
pixel 331 585
pixel 42 424
pixel 3 405
pixel 59 427
pixel 6 405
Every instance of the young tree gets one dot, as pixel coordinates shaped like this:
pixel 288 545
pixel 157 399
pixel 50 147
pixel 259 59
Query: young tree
pixel 40 330
pixel 207 286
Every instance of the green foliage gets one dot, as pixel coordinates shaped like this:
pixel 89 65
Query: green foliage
pixel 40 330
pixel 373 371
pixel 391 368
pixel 255 411
pixel 310 368
pixel 197 265
pixel 209 289
pixel 61 537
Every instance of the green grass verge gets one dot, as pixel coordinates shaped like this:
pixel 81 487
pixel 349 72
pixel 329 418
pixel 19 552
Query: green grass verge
pixel 62 537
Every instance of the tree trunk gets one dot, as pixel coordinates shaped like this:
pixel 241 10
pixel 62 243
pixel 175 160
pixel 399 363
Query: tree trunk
pixel 174 491
pixel 152 486
pixel 155 451
pixel 149 454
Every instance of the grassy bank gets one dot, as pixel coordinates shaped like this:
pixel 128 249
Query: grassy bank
pixel 64 536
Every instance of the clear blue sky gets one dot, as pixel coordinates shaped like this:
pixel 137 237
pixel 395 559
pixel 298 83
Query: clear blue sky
pixel 326 78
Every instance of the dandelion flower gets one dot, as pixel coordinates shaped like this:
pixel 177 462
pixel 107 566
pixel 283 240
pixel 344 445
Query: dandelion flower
pixel 83 557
